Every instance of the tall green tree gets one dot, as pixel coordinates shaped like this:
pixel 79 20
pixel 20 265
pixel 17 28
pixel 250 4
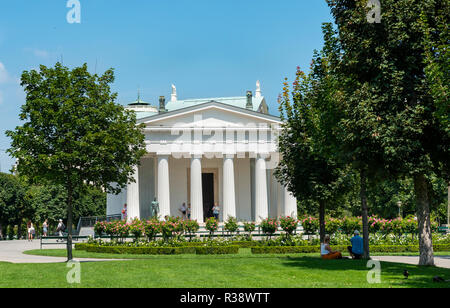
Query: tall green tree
pixel 437 59
pixel 382 66
pixel 49 202
pixel 306 167
pixel 13 208
pixel 74 134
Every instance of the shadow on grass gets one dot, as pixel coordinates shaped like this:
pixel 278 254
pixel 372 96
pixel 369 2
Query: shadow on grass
pixel 391 273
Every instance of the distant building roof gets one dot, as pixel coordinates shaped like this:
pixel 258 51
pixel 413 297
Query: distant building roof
pixel 239 101
pixel 144 109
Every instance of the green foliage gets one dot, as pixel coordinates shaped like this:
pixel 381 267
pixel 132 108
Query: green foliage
pixel 212 225
pixel 152 228
pixel 288 224
pixel 269 226
pixel 216 250
pixel 187 249
pixel 140 250
pixel 231 225
pixel 310 225
pixel 249 227
pixel 13 205
pixel 74 133
pixel 137 228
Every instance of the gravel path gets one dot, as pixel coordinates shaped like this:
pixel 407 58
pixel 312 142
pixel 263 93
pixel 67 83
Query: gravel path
pixel 439 261
pixel 12 251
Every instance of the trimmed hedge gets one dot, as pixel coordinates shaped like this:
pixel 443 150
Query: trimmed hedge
pixel 240 244
pixel 141 250
pixel 216 250
pixel 201 250
pixel 81 246
pixel 246 244
pixel 316 249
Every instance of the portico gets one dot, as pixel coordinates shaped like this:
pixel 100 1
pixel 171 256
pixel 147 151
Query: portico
pixel 201 152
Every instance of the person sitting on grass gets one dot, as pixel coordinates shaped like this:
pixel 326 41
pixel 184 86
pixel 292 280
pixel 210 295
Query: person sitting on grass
pixel 326 251
pixel 356 250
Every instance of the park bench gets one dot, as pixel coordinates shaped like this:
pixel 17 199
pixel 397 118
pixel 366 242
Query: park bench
pixel 58 240
pixel 444 229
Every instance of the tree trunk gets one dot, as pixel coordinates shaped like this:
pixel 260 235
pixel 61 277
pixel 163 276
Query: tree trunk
pixel 423 220
pixel 19 229
pixel 322 220
pixel 448 206
pixel 364 214
pixel 69 222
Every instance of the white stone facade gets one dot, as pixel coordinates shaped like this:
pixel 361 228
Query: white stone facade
pixel 209 152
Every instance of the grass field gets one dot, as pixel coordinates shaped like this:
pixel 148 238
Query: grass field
pixel 230 271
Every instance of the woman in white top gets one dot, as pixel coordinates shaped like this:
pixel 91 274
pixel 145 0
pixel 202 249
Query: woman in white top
pixel 30 232
pixel 326 251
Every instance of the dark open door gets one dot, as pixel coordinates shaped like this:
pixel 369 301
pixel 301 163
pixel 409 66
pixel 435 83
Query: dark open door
pixel 208 194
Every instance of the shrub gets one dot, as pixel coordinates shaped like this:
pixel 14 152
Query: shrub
pixel 137 228
pixel 332 225
pixel 216 250
pixel 249 227
pixel 212 225
pixel 231 225
pixel 350 224
pixel 99 228
pixel 152 228
pixel 269 226
pixel 141 250
pixel 310 225
pixel 167 229
pixel 191 227
pixel 288 224
pixel 81 246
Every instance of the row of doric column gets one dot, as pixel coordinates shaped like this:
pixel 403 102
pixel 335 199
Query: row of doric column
pixel 289 207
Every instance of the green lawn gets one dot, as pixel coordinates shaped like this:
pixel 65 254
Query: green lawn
pixel 231 271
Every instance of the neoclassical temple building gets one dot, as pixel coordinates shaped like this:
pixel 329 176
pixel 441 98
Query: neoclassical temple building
pixel 205 151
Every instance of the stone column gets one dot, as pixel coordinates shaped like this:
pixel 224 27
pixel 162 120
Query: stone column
pixel 290 204
pixel 133 210
pixel 261 204
pixel 196 190
pixel 163 186
pixel 229 197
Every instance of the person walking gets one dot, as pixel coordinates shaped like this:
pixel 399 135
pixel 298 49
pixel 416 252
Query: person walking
pixel 183 210
pixel 30 231
pixel 124 212
pixel 188 211
pixel 61 227
pixel 45 228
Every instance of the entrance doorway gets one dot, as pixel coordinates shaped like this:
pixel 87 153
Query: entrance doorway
pixel 210 189
pixel 208 194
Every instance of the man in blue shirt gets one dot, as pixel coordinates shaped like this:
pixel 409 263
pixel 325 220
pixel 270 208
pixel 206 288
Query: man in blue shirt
pixel 356 250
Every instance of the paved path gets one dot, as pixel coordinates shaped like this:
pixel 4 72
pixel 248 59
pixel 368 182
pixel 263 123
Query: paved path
pixel 439 261
pixel 12 251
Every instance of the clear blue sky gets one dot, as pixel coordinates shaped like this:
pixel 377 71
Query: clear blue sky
pixel 207 48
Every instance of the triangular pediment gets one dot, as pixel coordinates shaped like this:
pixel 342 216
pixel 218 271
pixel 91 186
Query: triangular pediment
pixel 210 114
